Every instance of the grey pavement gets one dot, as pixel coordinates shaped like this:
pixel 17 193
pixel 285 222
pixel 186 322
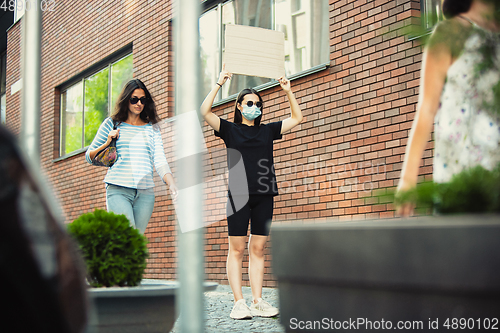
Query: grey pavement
pixel 218 305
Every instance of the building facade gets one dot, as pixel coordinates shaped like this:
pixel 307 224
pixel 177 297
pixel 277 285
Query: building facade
pixel 353 71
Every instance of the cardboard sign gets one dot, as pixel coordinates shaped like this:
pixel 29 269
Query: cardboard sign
pixel 254 51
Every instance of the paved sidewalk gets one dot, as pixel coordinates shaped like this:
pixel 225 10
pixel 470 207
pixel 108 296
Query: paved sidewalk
pixel 218 305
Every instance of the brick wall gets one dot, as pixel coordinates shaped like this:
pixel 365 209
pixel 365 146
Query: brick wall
pixel 358 113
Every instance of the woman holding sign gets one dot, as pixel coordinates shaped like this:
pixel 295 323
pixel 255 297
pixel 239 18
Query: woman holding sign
pixel 252 186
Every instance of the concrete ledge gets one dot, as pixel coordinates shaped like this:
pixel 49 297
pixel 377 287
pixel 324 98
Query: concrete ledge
pixel 148 287
pixel 147 308
pixel 401 269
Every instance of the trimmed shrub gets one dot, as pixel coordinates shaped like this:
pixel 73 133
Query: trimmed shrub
pixel 114 251
pixel 474 190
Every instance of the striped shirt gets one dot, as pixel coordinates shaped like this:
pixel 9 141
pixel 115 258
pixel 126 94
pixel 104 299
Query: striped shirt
pixel 138 148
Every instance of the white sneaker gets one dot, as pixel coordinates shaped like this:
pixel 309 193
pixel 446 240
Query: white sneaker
pixel 241 310
pixel 263 309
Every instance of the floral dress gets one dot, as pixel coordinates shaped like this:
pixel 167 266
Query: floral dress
pixel 467 125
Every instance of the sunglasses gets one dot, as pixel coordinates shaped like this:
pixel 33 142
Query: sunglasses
pixel 250 104
pixel 134 100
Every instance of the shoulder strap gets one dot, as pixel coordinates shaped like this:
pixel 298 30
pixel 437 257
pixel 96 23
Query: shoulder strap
pixel 115 124
pixel 468 20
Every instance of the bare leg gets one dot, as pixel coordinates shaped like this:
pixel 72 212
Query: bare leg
pixel 256 247
pixel 234 264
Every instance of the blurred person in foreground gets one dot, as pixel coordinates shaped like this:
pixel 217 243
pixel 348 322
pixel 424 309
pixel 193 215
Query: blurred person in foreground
pixel 41 271
pixel 459 94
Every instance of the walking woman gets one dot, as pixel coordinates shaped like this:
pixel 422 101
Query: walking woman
pixel 129 182
pixel 250 199
pixel 460 93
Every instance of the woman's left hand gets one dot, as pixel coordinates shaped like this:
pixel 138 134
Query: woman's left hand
pixel 285 84
pixel 169 180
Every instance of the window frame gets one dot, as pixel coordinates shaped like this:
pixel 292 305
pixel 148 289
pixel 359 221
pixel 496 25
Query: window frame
pixel 208 5
pixel 107 62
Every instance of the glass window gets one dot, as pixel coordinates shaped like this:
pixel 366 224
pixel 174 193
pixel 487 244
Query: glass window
pixel 3 109
pixel 304 22
pixel 3 73
pixel 86 104
pixel 209 50
pixel 71 119
pixel 432 13
pixel 121 73
pixel 96 103
pixel 3 84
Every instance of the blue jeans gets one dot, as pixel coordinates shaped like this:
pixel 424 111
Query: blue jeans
pixel 136 205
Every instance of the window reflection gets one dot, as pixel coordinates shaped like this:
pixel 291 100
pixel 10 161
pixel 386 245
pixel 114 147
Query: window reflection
pixel 432 13
pixel 121 73
pixel 96 103
pixel 304 22
pixel 3 107
pixel 3 86
pixel 209 50
pixel 72 114
pixel 3 73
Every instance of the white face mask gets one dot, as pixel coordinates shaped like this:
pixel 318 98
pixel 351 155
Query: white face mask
pixel 251 112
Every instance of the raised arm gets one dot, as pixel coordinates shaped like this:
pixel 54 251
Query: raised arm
pixel 435 64
pixel 206 107
pixel 295 111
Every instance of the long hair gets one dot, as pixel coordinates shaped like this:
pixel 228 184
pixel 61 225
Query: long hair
pixel 148 114
pixel 453 8
pixel 238 118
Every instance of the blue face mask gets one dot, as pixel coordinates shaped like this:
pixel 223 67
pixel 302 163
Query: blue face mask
pixel 251 112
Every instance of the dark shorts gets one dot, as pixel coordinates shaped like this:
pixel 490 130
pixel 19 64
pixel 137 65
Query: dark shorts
pixel 258 209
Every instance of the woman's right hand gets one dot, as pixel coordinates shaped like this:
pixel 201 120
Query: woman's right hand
pixel 224 75
pixel 405 209
pixel 113 134
pixel 206 107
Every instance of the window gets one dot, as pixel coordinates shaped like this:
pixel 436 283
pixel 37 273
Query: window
pixel 432 13
pixel 86 103
pixel 304 23
pixel 3 87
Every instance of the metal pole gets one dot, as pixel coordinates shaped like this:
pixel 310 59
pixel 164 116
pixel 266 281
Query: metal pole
pixel 191 264
pixel 30 74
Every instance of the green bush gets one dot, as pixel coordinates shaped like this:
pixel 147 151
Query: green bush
pixel 474 190
pixel 115 252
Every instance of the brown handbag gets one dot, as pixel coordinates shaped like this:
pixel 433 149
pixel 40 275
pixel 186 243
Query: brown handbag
pixel 107 156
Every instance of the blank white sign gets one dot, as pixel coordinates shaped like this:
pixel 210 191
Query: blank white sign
pixel 254 51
